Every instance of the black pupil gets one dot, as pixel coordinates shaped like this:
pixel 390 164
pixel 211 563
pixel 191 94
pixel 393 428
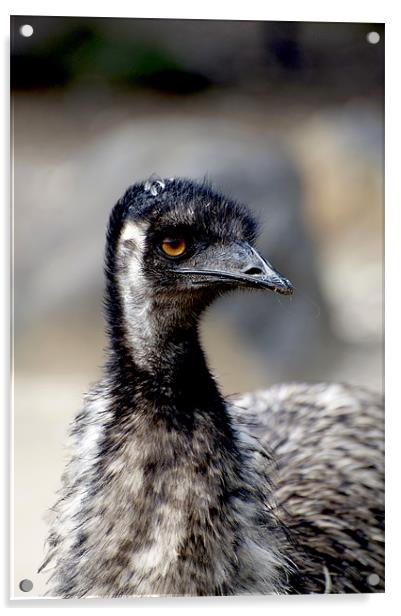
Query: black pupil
pixel 176 243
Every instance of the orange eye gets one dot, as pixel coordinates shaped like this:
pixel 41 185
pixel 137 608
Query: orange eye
pixel 174 247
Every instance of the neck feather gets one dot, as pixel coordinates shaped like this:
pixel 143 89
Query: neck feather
pixel 180 474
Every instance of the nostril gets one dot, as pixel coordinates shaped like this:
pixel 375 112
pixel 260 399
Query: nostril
pixel 253 271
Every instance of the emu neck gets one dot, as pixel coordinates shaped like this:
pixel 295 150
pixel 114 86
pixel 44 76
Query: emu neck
pixel 174 383
pixel 172 437
pixel 155 353
pixel 176 510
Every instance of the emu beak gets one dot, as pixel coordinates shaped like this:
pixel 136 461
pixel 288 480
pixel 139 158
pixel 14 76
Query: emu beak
pixel 239 264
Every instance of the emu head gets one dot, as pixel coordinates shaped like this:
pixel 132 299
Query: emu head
pixel 172 247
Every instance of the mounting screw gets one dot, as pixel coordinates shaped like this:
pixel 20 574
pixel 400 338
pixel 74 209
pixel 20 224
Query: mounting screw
pixel 373 38
pixel 26 30
pixel 25 585
pixel 373 579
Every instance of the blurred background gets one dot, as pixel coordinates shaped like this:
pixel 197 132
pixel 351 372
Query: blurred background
pixel 284 116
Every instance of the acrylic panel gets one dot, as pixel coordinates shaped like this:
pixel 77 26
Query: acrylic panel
pixel 247 256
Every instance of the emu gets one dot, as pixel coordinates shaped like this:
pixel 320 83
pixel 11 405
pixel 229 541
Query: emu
pixel 170 489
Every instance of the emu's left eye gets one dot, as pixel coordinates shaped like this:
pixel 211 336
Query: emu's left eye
pixel 174 246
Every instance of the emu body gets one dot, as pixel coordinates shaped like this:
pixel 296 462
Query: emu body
pixel 172 490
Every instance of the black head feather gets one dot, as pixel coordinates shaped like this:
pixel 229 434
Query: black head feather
pixel 193 208
pixel 170 202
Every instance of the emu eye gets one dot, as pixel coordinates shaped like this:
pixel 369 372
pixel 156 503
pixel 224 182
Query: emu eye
pixel 174 246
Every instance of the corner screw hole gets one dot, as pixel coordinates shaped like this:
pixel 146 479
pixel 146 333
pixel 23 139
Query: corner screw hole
pixel 25 585
pixel 373 579
pixel 26 30
pixel 373 38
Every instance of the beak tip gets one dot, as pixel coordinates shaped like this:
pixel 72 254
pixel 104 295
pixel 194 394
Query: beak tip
pixel 283 286
pixel 289 287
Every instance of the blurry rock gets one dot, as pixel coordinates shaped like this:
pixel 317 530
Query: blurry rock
pixel 341 155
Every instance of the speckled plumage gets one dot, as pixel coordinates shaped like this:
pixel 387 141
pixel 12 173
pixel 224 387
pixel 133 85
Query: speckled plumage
pixel 172 490
pixel 327 441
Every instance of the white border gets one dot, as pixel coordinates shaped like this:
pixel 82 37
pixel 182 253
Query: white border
pixel 305 10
